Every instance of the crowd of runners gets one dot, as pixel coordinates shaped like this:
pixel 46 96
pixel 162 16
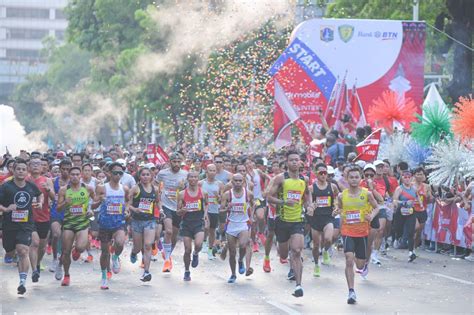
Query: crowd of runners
pixel 228 205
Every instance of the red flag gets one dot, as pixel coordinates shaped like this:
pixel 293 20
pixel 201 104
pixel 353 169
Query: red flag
pixel 161 155
pixel 369 148
pixel 315 150
pixel 151 152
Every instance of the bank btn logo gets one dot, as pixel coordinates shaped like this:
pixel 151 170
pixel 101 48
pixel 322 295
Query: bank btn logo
pixel 346 32
pixel 326 33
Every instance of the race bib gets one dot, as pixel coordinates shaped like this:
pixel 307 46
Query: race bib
pixel 406 211
pixel 76 210
pixel 323 201
pixel 114 208
pixel 353 217
pixel 20 216
pixel 293 195
pixel 193 206
pixel 170 194
pixel 212 200
pixel 145 206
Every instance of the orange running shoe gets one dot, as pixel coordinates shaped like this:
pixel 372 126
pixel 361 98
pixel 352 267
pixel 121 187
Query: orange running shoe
pixel 49 249
pixel 266 265
pixel 75 254
pixel 89 259
pixel 255 247
pixel 66 281
pixel 283 261
pixel 262 238
pixel 109 275
pixel 167 266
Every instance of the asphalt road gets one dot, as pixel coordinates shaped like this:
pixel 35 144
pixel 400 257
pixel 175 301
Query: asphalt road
pixel 434 283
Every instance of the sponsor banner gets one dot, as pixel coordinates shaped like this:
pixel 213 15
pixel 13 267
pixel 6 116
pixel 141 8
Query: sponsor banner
pixel 338 67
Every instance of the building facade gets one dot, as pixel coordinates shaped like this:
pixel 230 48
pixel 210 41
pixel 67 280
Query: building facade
pixel 24 24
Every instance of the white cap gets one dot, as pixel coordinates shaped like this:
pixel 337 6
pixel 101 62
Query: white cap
pixel 360 163
pixel 95 168
pixel 149 165
pixel 378 162
pixel 331 170
pixel 122 162
pixel 369 166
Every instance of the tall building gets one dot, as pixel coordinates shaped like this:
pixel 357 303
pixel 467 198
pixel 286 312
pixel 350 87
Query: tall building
pixel 23 26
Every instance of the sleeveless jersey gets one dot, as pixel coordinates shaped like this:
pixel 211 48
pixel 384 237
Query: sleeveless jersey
pixel 112 209
pixel 324 199
pixel 422 203
pixel 145 202
pixel 75 214
pixel 257 185
pixel 353 214
pixel 408 194
pixel 293 189
pixel 54 213
pixel 238 208
pixel 194 206
pixel 212 190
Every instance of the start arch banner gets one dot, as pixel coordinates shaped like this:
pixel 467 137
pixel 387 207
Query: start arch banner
pixel 336 68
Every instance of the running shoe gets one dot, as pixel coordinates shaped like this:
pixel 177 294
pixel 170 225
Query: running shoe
pixel 326 258
pixel 298 291
pixel 215 250
pixel 116 264
pixel 317 271
pixel 8 260
pixel 49 250
pixel 232 279
pixel 266 265
pixel 365 272
pixel 52 266
pixel 58 273
pixel 35 276
pixel 133 258
pixel 146 277
pixel 187 276
pixel 89 259
pixel 109 275
pixel 352 298
pixel 412 257
pixel 249 272
pixel 283 261
pixel 167 266
pixel 241 267
pixel 195 261
pixel 291 275
pixel 75 254
pixel 21 289
pixel 469 257
pixel 223 253
pixel 262 238
pixel 66 281
pixel 255 247
pixel 210 255
pixel 104 285
pixel 154 249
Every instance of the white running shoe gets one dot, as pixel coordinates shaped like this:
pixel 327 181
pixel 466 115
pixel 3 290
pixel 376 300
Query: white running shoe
pixel 52 266
pixel 116 265
pixel 58 273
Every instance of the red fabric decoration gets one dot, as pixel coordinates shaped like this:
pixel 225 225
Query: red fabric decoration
pixel 387 110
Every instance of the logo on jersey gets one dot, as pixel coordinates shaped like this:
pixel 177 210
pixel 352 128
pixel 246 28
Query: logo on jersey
pixel 22 199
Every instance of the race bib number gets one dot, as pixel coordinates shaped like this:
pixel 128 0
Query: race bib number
pixel 293 195
pixel 145 206
pixel 20 216
pixel 170 194
pixel 353 217
pixel 212 200
pixel 76 210
pixel 406 211
pixel 323 201
pixel 114 208
pixel 193 206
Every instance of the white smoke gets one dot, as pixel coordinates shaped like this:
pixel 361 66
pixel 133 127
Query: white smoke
pixel 196 28
pixel 14 137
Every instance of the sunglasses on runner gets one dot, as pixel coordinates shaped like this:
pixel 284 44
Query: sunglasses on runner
pixel 117 173
pixel 370 175
pixel 322 173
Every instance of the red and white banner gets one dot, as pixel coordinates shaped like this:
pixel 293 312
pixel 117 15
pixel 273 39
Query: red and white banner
pixel 155 154
pixel 368 149
pixel 315 149
pixel 447 224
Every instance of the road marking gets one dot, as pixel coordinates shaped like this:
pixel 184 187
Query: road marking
pixel 284 308
pixel 452 278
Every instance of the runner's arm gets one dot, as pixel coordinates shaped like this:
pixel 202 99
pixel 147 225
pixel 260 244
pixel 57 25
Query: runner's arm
pixel 50 188
pixel 62 200
pixel 273 192
pixel 99 197
pixel 224 202
pixel 180 209
pixel 374 205
pixel 338 205
pixel 132 193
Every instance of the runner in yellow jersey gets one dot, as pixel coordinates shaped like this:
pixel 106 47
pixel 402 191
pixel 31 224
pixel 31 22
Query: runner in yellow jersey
pixel 357 207
pixel 289 190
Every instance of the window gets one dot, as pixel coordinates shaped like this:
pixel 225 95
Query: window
pixel 22 54
pixel 60 35
pixel 27 13
pixel 20 33
pixel 60 15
